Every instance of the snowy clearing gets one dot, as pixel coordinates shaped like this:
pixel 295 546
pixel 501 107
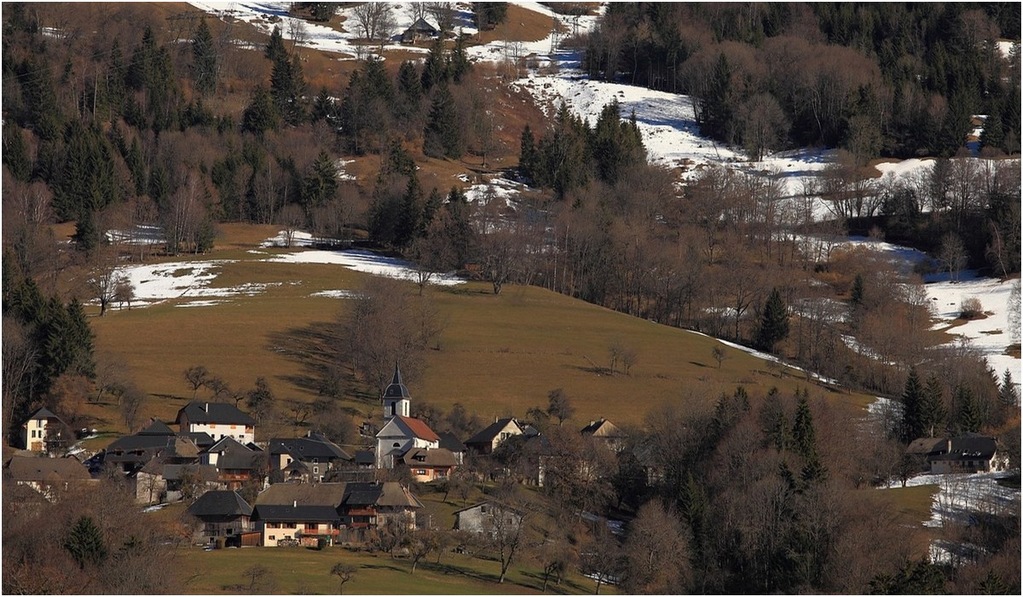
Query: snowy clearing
pixel 366 262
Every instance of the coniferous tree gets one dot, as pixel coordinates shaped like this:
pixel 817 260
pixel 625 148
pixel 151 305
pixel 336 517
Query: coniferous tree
pixel 932 407
pixel 40 98
pixel 15 153
pixel 716 112
pixel 913 425
pixel 321 183
pixel 527 153
pixel 857 291
pixel 275 50
pixel 458 63
pixel 774 325
pixel 287 87
pixel 968 413
pixel 435 68
pixel 85 543
pixel 410 214
pixel 617 145
pixel 261 114
pixel 324 107
pixel 804 442
pixel 443 134
pixel 204 60
pixel 1008 395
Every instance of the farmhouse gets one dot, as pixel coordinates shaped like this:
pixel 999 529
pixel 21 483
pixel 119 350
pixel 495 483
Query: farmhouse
pixel 306 459
pixel 971 453
pixel 419 30
pixel 45 475
pixel 486 441
pixel 429 465
pixel 36 428
pixel 606 432
pixel 222 515
pixel 488 518
pixel 218 420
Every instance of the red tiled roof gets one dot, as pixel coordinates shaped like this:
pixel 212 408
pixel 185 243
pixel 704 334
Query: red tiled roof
pixel 421 429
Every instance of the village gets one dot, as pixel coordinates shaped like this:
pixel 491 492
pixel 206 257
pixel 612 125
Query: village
pixel 314 493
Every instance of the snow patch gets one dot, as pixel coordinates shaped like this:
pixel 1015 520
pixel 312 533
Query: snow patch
pixel 366 262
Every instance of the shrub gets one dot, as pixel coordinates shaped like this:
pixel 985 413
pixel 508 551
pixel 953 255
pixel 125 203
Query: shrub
pixel 971 309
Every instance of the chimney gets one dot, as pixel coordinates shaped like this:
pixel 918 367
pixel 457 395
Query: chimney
pixel 294 504
pixel 206 407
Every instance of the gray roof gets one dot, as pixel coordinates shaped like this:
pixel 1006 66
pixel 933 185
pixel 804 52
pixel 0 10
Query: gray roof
pixel 214 412
pixel 46 470
pixel 156 428
pixel 449 441
pixel 295 513
pixel 43 413
pixel 205 472
pixel 136 443
pixel 487 435
pixel 971 447
pixel 220 503
pixel 307 448
pixel 200 438
pixel 424 457
pixel 364 457
pixel 396 389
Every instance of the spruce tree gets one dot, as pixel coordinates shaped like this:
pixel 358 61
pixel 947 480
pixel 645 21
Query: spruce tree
pixel 912 408
pixel 261 114
pixel 320 184
pixel 857 291
pixel 774 325
pixel 287 86
pixel 410 84
pixel 442 136
pixel 1008 395
pixel 85 543
pixel 410 214
pixel 527 154
pixel 458 62
pixel 932 408
pixel 204 61
pixel 968 414
pixel 804 440
pixel 435 68
pixel 275 50
pixel 15 153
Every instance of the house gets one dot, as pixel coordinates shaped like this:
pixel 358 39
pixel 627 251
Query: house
pixel 429 465
pixel 236 464
pixel 364 459
pixel 299 513
pixel 46 475
pixel 450 442
pixel 605 431
pixel 162 480
pixel 401 432
pixel 488 518
pixel 37 426
pixel 486 441
pixel 971 453
pixel 419 30
pixel 218 420
pixel 306 459
pixel 222 514
pixel 368 505
pixel 132 452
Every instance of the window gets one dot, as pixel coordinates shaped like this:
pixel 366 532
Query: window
pixel 316 470
pixel 420 471
pixel 288 525
pixel 33 434
pixel 316 460
pixel 273 537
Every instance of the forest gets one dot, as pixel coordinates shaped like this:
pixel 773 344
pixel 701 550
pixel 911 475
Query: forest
pixel 169 123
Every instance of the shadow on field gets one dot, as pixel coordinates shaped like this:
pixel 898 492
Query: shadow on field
pixel 314 346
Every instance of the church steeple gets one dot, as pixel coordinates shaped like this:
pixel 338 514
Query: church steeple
pixel 396 397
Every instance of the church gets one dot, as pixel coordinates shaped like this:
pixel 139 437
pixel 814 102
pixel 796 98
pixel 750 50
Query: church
pixel 402 434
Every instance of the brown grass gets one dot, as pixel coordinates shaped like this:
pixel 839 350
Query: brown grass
pixel 498 354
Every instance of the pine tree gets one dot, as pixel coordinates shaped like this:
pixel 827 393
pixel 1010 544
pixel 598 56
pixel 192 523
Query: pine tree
pixel 968 414
pixel 320 184
pixel 527 154
pixel 774 325
pixel 993 135
pixel 261 114
pixel 435 68
pixel 912 406
pixel 323 107
pixel 804 440
pixel 932 408
pixel 204 60
pixel 85 543
pixel 410 82
pixel 1008 395
pixel 275 50
pixel 287 86
pixel 857 291
pixel 617 146
pixel 410 214
pixel 15 153
pixel 443 136
pixel 458 62
pixel 717 108
pixel 87 235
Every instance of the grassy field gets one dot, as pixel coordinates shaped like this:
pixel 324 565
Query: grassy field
pixel 302 571
pixel 498 354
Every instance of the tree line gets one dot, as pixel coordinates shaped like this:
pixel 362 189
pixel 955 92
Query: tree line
pixel 880 80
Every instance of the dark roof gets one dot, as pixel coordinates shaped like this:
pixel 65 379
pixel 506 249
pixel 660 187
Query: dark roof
pixel 927 446
pixel 449 441
pixel 220 503
pixel 971 447
pixel 205 472
pixel 295 513
pixel 314 494
pixel 47 470
pixel 240 460
pixel 200 438
pixel 226 444
pixel 307 448
pixel 214 412
pixel 497 505
pixel 43 413
pixel 364 457
pixel 389 493
pixel 396 389
pixel 487 435
pixel 422 25
pixel 156 428
pixel 134 443
pixel 602 428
